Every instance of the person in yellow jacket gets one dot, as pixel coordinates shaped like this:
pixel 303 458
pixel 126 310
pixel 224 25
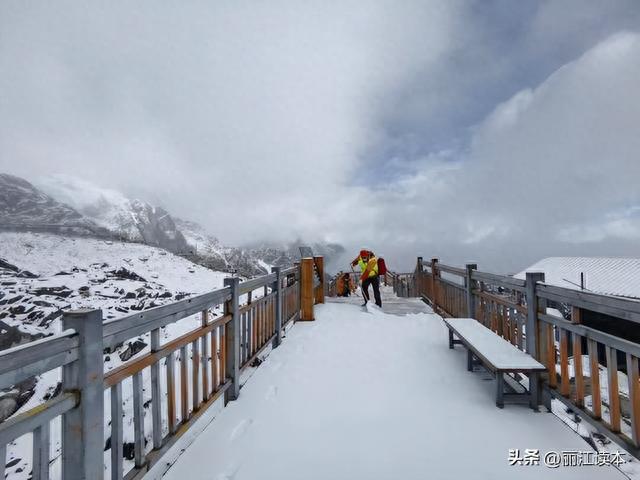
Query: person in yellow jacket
pixel 368 264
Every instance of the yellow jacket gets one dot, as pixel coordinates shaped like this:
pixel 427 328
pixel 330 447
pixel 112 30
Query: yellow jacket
pixel 369 269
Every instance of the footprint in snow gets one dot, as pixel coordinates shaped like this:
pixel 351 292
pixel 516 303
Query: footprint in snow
pixel 272 392
pixel 241 428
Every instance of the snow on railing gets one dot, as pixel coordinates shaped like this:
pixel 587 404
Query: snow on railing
pixel 176 380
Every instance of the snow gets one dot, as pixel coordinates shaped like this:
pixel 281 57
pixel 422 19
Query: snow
pixel 84 259
pixel 359 395
pixel 604 275
pixel 502 354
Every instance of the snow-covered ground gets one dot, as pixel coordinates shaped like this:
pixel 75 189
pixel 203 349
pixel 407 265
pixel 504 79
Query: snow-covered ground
pixel 374 396
pixel 82 269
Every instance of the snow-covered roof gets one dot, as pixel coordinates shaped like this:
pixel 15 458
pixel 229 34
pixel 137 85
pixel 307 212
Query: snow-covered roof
pixel 605 275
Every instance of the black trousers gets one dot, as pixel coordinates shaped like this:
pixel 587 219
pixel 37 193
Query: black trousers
pixel 375 283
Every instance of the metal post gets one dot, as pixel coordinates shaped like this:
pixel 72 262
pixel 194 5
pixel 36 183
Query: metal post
pixel 277 287
pixel 471 307
pixel 83 427
pixel 532 313
pixel 232 340
pixel 531 332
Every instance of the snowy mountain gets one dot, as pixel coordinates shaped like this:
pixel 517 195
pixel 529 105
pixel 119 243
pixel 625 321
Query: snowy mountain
pixel 131 220
pixel 135 220
pixel 22 205
pixel 43 275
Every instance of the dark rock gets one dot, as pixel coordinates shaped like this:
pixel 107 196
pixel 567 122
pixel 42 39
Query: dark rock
pixel 8 266
pixel 42 303
pixel 130 295
pixel 132 349
pixel 26 274
pixel 180 296
pixel 128 450
pixel 139 306
pixel 124 274
pixel 62 273
pixel 63 291
pixel 54 393
pixel 122 309
pixel 9 301
pixel 165 295
pixel 13 462
pixel 256 362
pixel 8 284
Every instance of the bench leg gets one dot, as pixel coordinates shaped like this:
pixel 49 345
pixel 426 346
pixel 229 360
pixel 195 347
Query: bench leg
pixel 469 360
pixel 534 391
pixel 450 339
pixel 499 389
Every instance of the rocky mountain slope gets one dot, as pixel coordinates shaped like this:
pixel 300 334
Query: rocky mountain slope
pixel 24 206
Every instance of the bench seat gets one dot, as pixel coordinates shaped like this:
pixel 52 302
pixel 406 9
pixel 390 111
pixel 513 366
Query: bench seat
pixel 497 355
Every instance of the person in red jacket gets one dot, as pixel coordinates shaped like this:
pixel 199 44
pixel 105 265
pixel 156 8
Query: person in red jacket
pixel 369 267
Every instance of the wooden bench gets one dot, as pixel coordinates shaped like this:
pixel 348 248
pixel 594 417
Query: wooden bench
pixel 498 356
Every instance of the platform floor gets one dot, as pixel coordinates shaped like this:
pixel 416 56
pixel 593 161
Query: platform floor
pixel 390 303
pixel 369 395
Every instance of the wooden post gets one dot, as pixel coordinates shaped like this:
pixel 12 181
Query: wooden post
pixel 306 290
pixel 434 283
pixel 277 287
pixel 319 293
pixel 418 277
pixel 83 427
pixel 232 340
pixel 468 281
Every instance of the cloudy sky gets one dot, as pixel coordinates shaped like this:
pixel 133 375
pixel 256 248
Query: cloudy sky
pixel 480 130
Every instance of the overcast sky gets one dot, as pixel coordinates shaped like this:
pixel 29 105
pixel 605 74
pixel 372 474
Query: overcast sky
pixel 490 131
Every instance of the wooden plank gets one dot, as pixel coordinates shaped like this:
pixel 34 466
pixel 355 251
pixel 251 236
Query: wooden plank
pixel 596 396
pixel 551 356
pixel 223 354
pixel 565 384
pixel 614 391
pixel 307 290
pixel 577 367
pixel 214 360
pixel 634 397
pixel 138 420
pixel 184 383
pixel 40 469
pixel 195 371
pixel 203 368
pixel 618 343
pixel 116 432
pixel 117 375
pixel 510 283
pixel 171 392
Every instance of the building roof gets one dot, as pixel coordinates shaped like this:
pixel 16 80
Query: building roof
pixel 605 275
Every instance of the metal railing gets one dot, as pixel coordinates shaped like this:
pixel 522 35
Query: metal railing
pixel 177 380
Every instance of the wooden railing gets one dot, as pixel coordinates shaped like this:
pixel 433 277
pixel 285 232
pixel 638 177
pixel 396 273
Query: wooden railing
pixel 516 309
pixel 178 379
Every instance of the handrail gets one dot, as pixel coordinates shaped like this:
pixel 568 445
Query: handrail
pixel 209 358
